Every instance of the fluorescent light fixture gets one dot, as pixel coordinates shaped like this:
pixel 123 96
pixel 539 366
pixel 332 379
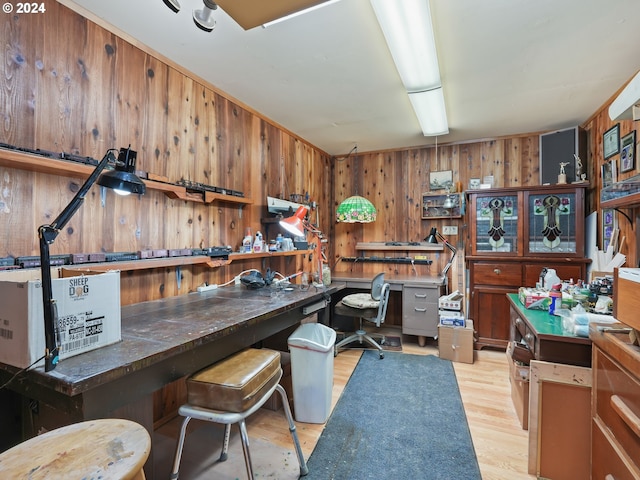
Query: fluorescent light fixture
pixel 295 14
pixel 407 28
pixel 431 112
pixel 622 108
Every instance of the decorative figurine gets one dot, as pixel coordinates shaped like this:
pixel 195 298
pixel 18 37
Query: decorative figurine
pixel 580 175
pixel 562 178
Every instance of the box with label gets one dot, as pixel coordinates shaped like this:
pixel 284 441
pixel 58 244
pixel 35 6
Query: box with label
pixel 534 299
pixel 88 305
pixel 451 318
pixel 453 301
pixel 456 343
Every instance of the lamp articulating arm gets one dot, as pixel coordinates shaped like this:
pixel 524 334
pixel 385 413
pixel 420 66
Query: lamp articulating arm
pixel 47 235
pixel 453 250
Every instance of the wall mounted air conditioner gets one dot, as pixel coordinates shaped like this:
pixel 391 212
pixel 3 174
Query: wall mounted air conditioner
pixel 626 106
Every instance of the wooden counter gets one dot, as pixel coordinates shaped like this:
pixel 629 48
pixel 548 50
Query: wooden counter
pixel 162 341
pixel 545 337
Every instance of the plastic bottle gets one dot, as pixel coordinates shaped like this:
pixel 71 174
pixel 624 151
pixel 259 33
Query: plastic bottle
pixel 556 298
pixel 326 274
pixel 550 279
pixel 247 242
pixel 257 243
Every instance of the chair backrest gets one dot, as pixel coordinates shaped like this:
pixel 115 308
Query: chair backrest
pixel 376 286
pixel 382 306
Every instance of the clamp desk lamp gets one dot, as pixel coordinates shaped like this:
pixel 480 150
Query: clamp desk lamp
pixel 433 237
pixel 296 225
pixel 123 181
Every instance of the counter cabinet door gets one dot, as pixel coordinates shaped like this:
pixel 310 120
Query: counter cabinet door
pixel 490 314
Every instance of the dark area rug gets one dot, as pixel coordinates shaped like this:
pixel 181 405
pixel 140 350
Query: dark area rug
pixel 399 417
pixel 391 342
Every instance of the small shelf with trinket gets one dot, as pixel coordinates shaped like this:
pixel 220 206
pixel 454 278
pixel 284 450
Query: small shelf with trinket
pixel 442 205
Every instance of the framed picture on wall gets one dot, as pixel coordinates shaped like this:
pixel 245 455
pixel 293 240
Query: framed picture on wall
pixel 441 180
pixel 608 227
pixel 628 152
pixel 611 142
pixel 609 173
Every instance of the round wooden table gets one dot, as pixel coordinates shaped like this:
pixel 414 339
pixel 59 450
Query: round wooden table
pixel 107 449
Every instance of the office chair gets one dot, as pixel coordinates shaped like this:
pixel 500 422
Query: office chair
pixel 371 307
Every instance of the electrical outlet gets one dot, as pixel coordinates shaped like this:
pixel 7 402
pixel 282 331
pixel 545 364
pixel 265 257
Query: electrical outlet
pixel 450 230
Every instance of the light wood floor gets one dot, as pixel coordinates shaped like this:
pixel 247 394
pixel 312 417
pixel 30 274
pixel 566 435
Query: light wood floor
pixel 499 441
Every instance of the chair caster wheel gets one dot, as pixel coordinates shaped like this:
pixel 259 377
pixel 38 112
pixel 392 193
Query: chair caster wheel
pixel 381 355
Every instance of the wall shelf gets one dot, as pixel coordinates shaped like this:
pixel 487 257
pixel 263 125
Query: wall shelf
pixel 442 205
pixel 234 257
pixel 151 263
pixel 400 246
pixel 54 166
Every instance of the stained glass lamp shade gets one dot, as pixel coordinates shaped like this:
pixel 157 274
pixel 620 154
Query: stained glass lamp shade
pixel 356 209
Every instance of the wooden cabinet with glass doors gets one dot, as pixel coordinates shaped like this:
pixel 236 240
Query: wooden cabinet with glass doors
pixel 513 234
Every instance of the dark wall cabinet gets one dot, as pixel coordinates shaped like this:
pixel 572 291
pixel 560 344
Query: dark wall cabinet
pixel 513 234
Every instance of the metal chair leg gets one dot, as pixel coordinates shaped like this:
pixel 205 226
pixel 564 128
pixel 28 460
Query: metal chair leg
pixel 225 443
pixel 245 448
pixel 292 428
pixel 178 455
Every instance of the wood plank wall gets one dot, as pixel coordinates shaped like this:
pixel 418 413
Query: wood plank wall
pixel 70 85
pixel 395 180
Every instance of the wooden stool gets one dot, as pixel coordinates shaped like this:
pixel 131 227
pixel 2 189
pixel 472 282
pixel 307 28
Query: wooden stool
pixel 109 449
pixel 231 390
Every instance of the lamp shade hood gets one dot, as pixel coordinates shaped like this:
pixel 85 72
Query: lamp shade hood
pixel 356 209
pixel 120 181
pixel 294 224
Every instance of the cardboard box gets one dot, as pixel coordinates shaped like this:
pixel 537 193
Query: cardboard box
pixel 88 305
pixel 454 319
pixel 534 299
pixel 453 301
pixel 456 343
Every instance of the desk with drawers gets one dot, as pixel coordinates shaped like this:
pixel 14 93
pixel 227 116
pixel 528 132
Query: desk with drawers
pixel 420 296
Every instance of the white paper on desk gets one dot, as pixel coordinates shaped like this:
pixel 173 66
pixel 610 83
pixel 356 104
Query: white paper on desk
pixel 600 318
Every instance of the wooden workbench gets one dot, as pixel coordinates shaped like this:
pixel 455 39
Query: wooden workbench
pixel 162 341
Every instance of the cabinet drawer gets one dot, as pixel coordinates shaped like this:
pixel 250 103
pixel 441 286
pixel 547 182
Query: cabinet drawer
pixel 420 311
pixel 412 296
pixel 606 460
pixel 617 404
pixel 508 274
pixel 520 332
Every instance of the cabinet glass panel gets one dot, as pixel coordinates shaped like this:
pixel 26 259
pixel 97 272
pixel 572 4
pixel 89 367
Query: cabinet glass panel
pixel 552 223
pixel 497 223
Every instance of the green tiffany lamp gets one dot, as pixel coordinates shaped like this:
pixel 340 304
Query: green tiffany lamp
pixel 356 209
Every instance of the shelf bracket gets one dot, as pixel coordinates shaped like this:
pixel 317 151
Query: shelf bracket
pixel 179 276
pixel 625 216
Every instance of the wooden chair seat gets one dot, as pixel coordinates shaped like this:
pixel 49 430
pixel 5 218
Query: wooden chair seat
pixel 109 448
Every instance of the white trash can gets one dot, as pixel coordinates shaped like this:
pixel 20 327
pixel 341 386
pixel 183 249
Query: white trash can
pixel 311 347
